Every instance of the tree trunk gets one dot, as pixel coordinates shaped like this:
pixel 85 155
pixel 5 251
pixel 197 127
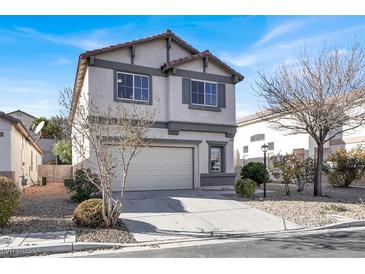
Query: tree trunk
pixel 317 189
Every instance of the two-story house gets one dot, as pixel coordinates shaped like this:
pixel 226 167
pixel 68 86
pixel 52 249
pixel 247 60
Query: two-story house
pixel 192 139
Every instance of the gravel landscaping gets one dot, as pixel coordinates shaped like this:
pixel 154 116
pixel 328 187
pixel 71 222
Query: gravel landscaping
pixel 304 209
pixel 49 208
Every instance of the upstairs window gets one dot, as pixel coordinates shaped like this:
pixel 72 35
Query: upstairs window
pixel 204 93
pixel 257 137
pixel 133 87
pixel 245 149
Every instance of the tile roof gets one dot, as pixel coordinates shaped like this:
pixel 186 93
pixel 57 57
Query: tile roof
pixel 166 34
pixel 198 56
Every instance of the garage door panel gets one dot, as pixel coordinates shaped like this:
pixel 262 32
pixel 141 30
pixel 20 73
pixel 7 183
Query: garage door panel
pixel 158 168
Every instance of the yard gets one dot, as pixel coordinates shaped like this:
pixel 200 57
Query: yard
pixel 340 204
pixel 49 208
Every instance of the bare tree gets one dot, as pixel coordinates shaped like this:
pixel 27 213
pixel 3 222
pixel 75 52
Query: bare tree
pixel 322 96
pixel 105 139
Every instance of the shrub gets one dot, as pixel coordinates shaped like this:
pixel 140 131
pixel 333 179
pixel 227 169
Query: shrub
pixel 345 167
pixel 284 169
pixel 9 199
pixel 89 214
pixel 304 173
pixel 254 171
pixel 80 186
pixel 245 187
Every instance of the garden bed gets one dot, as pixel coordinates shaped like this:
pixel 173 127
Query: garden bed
pixel 304 209
pixel 49 208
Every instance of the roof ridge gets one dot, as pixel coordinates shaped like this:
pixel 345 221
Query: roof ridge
pixel 167 33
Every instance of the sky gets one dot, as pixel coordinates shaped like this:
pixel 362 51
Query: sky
pixel 39 53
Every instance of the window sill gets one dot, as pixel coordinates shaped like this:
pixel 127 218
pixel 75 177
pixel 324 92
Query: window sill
pixel 206 108
pixel 133 101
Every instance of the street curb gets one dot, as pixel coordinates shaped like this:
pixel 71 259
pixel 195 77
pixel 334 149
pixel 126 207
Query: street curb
pixel 23 251
pixel 357 223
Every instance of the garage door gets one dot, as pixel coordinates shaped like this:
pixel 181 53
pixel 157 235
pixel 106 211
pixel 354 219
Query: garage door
pixel 160 168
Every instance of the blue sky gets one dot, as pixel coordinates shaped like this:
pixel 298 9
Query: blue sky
pixel 39 53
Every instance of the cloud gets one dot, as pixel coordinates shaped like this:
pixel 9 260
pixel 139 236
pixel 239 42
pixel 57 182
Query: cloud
pixel 61 61
pixel 280 30
pixel 83 41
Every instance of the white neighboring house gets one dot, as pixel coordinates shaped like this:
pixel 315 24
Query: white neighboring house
pixel 192 139
pixel 20 154
pixel 255 130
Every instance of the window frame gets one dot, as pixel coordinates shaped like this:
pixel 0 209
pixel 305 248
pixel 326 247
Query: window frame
pixel 204 82
pixel 243 150
pixel 133 88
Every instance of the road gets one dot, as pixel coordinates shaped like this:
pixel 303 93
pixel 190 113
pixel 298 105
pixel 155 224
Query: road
pixel 343 243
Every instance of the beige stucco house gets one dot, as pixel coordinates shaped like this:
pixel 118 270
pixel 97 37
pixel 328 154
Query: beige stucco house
pixel 20 154
pixel 192 140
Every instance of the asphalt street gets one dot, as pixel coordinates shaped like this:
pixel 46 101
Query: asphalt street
pixel 348 244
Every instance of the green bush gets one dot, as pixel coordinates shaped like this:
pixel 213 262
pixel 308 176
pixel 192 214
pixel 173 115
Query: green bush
pixel 254 171
pixel 9 199
pixel 245 187
pixel 89 214
pixel 80 186
pixel 345 167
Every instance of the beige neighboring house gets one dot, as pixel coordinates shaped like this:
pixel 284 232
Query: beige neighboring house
pixel 20 154
pixel 192 139
pixel 45 144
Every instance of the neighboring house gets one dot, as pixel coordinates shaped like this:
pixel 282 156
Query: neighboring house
pixel 20 154
pixel 45 144
pixel 26 118
pixel 192 140
pixel 255 130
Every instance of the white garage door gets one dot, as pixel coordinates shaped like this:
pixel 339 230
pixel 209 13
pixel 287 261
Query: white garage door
pixel 160 168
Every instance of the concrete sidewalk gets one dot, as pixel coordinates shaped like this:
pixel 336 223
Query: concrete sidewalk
pixel 194 214
pixel 36 239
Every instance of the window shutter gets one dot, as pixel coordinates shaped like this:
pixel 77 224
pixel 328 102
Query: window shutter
pixel 221 95
pixel 186 91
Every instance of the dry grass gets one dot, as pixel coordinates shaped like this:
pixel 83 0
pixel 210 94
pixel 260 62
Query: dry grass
pixel 304 209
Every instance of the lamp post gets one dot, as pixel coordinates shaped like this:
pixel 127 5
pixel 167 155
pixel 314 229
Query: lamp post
pixel 264 148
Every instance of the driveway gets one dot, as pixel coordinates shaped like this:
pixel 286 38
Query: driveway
pixel 193 214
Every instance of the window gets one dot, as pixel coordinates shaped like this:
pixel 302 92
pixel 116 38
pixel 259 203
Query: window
pixel 1 134
pixel 270 146
pixel 245 149
pixel 215 159
pixel 133 87
pixel 257 137
pixel 204 93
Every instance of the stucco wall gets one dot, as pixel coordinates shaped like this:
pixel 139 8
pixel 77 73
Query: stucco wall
pixel 5 145
pixel 21 158
pixel 283 143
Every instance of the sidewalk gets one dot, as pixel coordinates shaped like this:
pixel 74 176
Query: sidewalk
pixel 36 239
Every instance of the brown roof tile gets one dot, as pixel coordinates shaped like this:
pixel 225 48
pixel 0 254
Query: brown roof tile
pixel 198 56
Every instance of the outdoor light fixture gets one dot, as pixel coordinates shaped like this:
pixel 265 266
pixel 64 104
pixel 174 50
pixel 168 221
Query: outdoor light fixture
pixel 264 148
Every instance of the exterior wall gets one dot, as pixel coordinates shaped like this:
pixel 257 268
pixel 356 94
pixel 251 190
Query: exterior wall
pixel 77 159
pixel 24 158
pixel 47 146
pixel 181 112
pixel 5 147
pixel 55 173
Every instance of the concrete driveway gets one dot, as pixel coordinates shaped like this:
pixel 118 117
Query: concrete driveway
pixel 174 215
